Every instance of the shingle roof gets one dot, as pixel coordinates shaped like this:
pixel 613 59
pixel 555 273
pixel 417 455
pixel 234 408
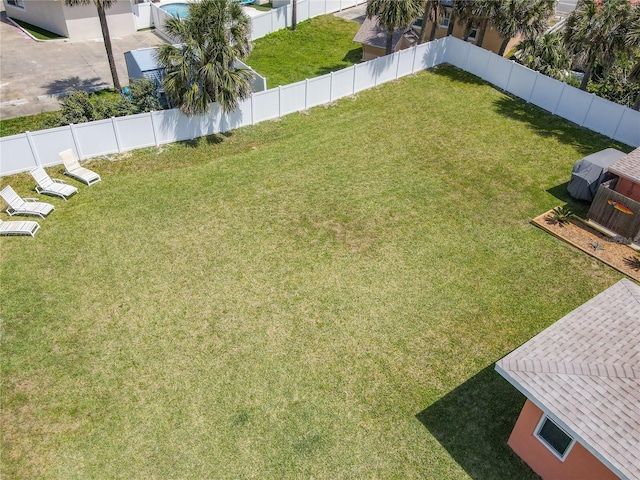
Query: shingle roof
pixel 584 371
pixel 370 33
pixel 628 166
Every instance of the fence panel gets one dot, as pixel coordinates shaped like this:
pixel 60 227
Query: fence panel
pixel 260 25
pixel 574 104
pixel 628 130
pixel 16 155
pixel 604 116
pixel 280 18
pixel 384 69
pixel 266 105
pixel 292 97
pixel 318 91
pixel 96 138
pixel 135 131
pixel 522 81
pixel 303 10
pixel 430 54
pixel 316 8
pixel 457 52
pixel 605 214
pixel 498 71
pixel 240 117
pixel 48 143
pixel 478 61
pixel 405 61
pixel 342 84
pixel 331 6
pixel 363 79
pixel 546 93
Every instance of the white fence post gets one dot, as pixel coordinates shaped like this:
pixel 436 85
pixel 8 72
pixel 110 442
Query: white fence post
pixel 306 93
pixel 74 135
pixel 331 87
pixel 32 145
pixel 153 129
pixel 115 134
pixel 555 109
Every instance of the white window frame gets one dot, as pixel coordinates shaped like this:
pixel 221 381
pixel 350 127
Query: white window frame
pixel 446 18
pixel 474 28
pixel 541 422
pixel 16 4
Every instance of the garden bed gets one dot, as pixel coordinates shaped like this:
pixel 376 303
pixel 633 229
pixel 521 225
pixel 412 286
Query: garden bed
pixel 577 233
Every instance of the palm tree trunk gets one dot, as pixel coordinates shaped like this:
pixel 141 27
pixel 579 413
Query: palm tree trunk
pixel 107 45
pixel 503 46
pixel 482 28
pixel 389 40
pixel 425 17
pixel 452 22
pixel 294 14
pixel 587 75
pixel 636 104
pixel 434 27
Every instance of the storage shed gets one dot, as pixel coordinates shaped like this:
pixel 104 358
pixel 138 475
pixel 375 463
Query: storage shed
pixel 589 172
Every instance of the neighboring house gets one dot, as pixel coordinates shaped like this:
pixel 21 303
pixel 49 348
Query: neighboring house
pixel 76 23
pixel 492 39
pixel 581 377
pixel 373 38
pixel 616 205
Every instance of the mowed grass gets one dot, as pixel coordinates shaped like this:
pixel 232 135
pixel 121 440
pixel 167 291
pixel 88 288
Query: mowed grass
pixel 321 296
pixel 318 46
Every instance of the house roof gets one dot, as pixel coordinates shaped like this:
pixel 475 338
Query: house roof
pixel 370 33
pixel 145 58
pixel 628 166
pixel 584 372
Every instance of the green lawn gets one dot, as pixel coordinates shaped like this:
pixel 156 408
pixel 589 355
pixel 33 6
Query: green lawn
pixel 320 45
pixel 321 296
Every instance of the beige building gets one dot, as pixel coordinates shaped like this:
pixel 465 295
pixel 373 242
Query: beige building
pixel 492 39
pixel 76 23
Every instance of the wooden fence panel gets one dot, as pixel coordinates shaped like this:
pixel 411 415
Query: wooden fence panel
pixel 604 213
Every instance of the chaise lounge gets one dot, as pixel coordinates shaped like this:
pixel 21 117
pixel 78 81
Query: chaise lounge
pixel 19 228
pixel 73 169
pixel 17 205
pixel 51 186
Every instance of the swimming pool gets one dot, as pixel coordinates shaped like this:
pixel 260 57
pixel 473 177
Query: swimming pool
pixel 179 10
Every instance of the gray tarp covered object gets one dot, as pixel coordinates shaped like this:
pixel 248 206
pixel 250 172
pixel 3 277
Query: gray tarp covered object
pixel 590 172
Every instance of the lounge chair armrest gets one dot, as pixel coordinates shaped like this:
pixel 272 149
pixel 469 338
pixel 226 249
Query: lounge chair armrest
pixel 57 180
pixel 29 199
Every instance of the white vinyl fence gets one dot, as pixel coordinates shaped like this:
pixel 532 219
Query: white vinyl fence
pixel 22 152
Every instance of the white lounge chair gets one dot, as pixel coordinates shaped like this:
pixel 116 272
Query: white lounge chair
pixel 73 169
pixel 19 228
pixel 17 205
pixel 51 186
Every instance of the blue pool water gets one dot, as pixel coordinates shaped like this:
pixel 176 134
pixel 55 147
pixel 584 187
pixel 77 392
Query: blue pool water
pixel 180 10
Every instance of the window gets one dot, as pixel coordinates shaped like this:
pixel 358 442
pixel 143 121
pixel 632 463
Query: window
pixel 446 18
pixel 473 33
pixel 554 437
pixel 16 3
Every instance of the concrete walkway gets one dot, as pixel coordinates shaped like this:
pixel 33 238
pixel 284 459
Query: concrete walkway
pixel 34 74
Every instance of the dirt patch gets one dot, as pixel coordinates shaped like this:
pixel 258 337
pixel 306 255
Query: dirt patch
pixel 621 257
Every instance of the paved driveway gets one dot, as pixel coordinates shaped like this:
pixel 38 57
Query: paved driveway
pixel 33 74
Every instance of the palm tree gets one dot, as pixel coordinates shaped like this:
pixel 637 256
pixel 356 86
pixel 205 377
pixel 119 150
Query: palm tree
pixel 101 6
pixel 632 41
pixel 202 68
pixel 484 11
pixel 595 33
pixel 294 14
pixel 394 14
pixel 545 54
pixel 433 11
pixel 522 17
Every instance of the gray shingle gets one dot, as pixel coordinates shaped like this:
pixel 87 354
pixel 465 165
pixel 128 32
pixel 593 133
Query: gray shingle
pixel 595 385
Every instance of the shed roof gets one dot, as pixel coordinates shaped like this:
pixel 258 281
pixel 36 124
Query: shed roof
pixel 628 166
pixel 584 372
pixel 145 58
pixel 370 33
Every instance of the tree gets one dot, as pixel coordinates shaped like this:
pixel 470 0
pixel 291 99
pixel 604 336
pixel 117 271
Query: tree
pixel 393 14
pixel 632 42
pixel 294 14
pixel 102 6
pixel 433 11
pixel 522 17
pixel 545 54
pixel 202 69
pixel 484 11
pixel 595 33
